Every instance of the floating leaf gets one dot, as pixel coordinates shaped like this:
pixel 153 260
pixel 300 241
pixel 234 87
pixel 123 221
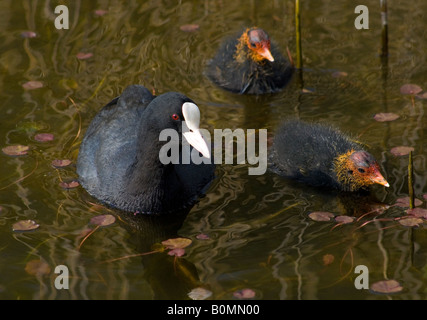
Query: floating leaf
pixel 31 85
pixel 37 268
pixel 404 202
pixel 83 56
pixel 401 150
pixel 28 34
pixel 244 294
pixel 61 163
pixel 189 27
pixel 178 252
pixel 425 196
pixel 410 89
pixel 386 286
pixel 25 225
pixel 321 216
pixel 410 222
pixel 422 95
pixel 339 74
pixel 43 137
pixel 199 293
pixel 307 90
pixel 69 185
pixel 383 117
pixel 417 212
pixel 344 219
pixel 328 259
pixel 100 12
pixel 16 150
pixel 202 236
pixel 103 220
pixel 177 243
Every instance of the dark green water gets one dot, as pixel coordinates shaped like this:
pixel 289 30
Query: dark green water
pixel 253 242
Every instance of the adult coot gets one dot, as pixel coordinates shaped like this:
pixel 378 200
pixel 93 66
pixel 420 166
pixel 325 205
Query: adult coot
pixel 119 162
pixel 250 64
pixel 322 156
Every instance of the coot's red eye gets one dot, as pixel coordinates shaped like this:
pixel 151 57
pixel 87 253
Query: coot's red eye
pixel 175 116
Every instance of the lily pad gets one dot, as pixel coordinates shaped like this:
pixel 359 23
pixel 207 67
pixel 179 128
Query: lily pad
pixel 189 27
pixel 244 294
pixel 344 219
pixel 410 89
pixel 16 150
pixel 28 34
pixel 321 216
pixel 411 222
pixel 202 236
pixel 43 137
pixel 199 293
pixel 31 85
pixel 422 95
pixel 25 225
pixel 417 212
pixel 37 268
pixel 61 163
pixel 178 252
pixel 100 12
pixel 386 286
pixel 404 202
pixel 339 74
pixel 401 151
pixel 103 220
pixel 69 185
pixel 385 116
pixel 177 243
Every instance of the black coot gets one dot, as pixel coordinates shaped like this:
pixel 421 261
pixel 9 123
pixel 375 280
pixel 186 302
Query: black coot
pixel 119 161
pixel 250 64
pixel 320 155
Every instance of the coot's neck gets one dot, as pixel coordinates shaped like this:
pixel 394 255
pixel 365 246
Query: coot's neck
pixel 345 175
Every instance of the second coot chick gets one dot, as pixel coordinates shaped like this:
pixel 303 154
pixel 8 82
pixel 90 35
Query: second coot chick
pixel 119 157
pixel 322 156
pixel 250 64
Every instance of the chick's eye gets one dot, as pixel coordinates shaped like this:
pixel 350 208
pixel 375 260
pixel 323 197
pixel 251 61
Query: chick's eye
pixel 175 116
pixel 361 170
pixel 253 44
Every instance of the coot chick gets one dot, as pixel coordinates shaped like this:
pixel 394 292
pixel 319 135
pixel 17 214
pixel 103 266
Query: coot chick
pixel 250 64
pixel 322 156
pixel 119 162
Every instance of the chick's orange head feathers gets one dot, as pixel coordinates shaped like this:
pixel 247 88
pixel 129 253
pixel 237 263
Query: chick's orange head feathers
pixel 258 42
pixel 365 168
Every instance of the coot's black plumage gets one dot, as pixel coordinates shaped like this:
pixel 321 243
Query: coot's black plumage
pixel 250 64
pixel 320 155
pixel 118 161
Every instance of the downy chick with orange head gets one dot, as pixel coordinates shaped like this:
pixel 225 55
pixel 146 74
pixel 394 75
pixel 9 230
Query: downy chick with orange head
pixel 322 156
pixel 250 64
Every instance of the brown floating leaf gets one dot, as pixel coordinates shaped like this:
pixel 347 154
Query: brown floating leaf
pixel 339 74
pixel 321 216
pixel 31 85
pixel 244 294
pixel 178 252
pixel 83 56
pixel 410 89
pixel 386 286
pixel 383 117
pixel 25 225
pixel 100 12
pixel 344 219
pixel 103 220
pixel 43 137
pixel 189 27
pixel 328 259
pixel 177 243
pixel 199 294
pixel 61 163
pixel 401 150
pixel 422 95
pixel 69 185
pixel 17 150
pixel 411 222
pixel 202 236
pixel 404 202
pixel 417 212
pixel 28 34
pixel 425 196
pixel 37 268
